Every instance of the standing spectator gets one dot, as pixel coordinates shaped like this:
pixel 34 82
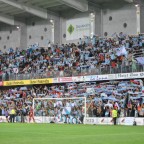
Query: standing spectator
pixel 6 114
pixel 12 115
pixel 114 115
pixel 3 111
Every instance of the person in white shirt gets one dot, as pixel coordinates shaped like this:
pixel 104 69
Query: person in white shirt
pixel 49 45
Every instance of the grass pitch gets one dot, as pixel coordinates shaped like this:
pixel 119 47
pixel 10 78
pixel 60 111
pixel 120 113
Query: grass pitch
pixel 69 134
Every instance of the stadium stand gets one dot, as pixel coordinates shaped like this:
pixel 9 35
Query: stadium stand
pixel 119 54
pixel 55 55
pixel 127 96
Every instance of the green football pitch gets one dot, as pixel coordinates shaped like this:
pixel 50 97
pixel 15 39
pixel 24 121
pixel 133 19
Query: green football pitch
pixel 69 134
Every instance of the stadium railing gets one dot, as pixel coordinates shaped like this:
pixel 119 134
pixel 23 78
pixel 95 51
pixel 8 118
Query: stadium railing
pixel 105 69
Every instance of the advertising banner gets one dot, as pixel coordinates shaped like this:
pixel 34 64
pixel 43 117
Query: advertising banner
pixel 55 80
pixel 96 77
pixel 41 81
pixel 105 121
pixel 74 79
pixel 89 120
pixel 64 79
pixel 111 76
pixel 28 82
pixel 38 119
pixel 78 79
pixel 77 28
pixel 139 121
pixel 129 121
pixel 1 83
pixel 129 75
pixel 120 121
pixel 2 119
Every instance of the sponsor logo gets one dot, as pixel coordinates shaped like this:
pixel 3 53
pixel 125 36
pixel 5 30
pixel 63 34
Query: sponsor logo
pixel 83 26
pixel 27 82
pixel 65 79
pixel 11 83
pixel 89 121
pixel 70 29
pixel 123 120
pixel 39 81
pixel 130 75
pixel 111 120
pixel 102 120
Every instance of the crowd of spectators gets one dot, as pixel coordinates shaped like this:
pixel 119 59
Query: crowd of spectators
pixel 120 53
pixel 96 55
pixel 127 96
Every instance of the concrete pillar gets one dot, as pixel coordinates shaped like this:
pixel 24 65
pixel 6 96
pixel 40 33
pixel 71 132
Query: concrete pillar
pixel 56 30
pixel 92 24
pixel 142 18
pixel 23 36
pixel 53 30
pixel 138 18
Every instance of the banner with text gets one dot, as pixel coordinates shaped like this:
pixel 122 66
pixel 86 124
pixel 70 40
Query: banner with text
pixel 91 78
pixel 27 82
pixel 89 120
pixel 77 28
pixel 1 83
pixel 129 75
pixel 109 121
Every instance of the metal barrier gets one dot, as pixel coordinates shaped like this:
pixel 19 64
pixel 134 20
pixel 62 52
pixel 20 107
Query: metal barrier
pixel 53 74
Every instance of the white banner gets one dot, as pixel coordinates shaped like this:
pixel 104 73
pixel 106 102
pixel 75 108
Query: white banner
pixel 129 121
pixel 99 77
pixel 88 120
pixel 2 119
pixel 139 121
pixel 109 121
pixel 78 79
pixel 77 28
pixel 38 119
pixel 129 75
pixel 96 77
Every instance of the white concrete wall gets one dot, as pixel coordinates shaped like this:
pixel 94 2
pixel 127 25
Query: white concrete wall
pixel 37 30
pixel 126 14
pixel 98 22
pixel 14 37
pixel 20 38
pixel 142 18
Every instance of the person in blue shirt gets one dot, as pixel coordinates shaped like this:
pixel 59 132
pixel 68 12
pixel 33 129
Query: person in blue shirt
pixel 86 41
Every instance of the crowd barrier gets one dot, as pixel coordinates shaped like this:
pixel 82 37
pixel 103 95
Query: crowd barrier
pixel 89 78
pixel 38 119
pixel 90 120
pixel 109 121
pixel 73 73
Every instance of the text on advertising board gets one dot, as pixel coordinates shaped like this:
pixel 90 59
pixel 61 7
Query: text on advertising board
pixel 27 82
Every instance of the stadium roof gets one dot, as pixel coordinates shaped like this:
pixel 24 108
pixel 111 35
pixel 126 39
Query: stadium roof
pixel 11 9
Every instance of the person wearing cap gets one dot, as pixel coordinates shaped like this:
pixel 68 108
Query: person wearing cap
pixel 114 115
